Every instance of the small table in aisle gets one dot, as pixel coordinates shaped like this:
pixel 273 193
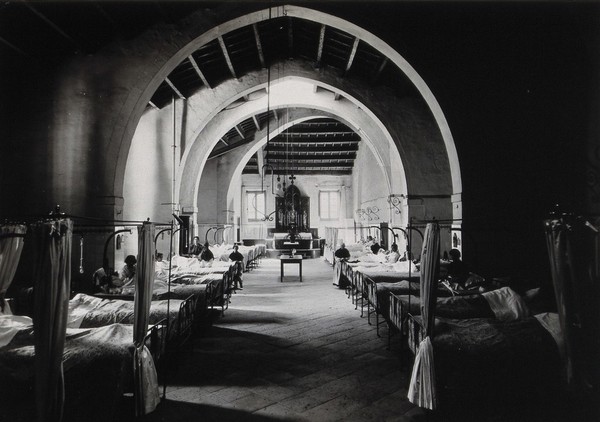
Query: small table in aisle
pixel 291 259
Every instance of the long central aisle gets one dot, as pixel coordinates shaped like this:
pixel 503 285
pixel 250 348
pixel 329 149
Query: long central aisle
pixel 289 351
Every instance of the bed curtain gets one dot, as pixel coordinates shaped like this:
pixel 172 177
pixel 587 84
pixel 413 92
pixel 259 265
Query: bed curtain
pixel 422 390
pixel 52 241
pixel 574 251
pixel 145 378
pixel 11 246
pixel 556 239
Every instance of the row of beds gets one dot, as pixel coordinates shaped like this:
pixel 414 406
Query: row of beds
pixel 99 335
pixel 487 344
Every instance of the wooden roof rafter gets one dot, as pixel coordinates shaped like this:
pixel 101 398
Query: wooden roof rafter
pixel 226 55
pixel 261 56
pixel 198 71
pixel 174 88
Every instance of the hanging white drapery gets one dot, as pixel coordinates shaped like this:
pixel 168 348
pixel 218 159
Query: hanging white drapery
pixel 422 390
pixel 11 246
pixel 52 278
pixel 337 270
pixel 146 391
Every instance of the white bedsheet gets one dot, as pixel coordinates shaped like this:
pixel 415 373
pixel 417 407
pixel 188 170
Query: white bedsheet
pixel 405 267
pixel 79 307
pixel 506 304
pixel 10 326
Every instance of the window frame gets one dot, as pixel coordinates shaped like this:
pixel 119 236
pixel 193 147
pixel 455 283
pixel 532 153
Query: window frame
pixel 255 216
pixel 329 193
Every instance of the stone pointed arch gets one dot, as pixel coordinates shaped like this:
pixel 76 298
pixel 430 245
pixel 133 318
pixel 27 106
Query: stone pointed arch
pixel 207 34
pixel 355 115
pixel 434 156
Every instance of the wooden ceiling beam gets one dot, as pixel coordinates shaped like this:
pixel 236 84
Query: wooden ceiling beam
pixel 379 70
pixel 321 43
pixel 226 54
pixel 261 56
pixel 239 130
pixel 174 88
pixel 352 54
pixel 308 141
pixel 321 133
pixel 14 47
pixel 50 23
pixel 198 71
pixel 315 157
pixel 255 120
pixel 314 150
pixel 308 166
pixel 250 169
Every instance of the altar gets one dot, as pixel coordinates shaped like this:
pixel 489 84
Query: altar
pixel 300 241
pixel 292 212
pixel 292 226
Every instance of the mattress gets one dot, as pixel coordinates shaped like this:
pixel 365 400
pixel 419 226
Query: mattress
pixel 482 356
pixel 88 311
pixel 98 368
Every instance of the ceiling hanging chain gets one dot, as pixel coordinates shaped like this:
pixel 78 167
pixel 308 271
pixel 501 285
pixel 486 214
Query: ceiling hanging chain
pixel 292 177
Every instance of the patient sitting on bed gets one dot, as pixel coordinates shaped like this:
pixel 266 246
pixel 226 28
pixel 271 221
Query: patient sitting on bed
pixel 127 273
pixel 206 257
pixel 393 256
pixel 375 247
pixel 342 252
pixel 103 282
pixel 457 269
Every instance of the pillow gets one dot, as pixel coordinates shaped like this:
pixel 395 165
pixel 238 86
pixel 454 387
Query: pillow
pixel 405 267
pixel 506 304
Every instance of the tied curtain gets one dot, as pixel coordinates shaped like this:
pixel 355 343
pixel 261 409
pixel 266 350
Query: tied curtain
pixel 422 382
pixel 556 241
pixel 52 241
pixel 146 390
pixel 574 251
pixel 11 246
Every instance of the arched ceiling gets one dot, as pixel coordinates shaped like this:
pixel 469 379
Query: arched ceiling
pixel 319 146
pixel 229 51
pixel 323 146
pixel 261 45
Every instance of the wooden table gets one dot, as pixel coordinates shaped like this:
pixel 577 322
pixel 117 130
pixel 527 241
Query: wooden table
pixel 291 259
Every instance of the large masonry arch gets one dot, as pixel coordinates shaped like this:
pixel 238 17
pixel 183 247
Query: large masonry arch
pixel 447 154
